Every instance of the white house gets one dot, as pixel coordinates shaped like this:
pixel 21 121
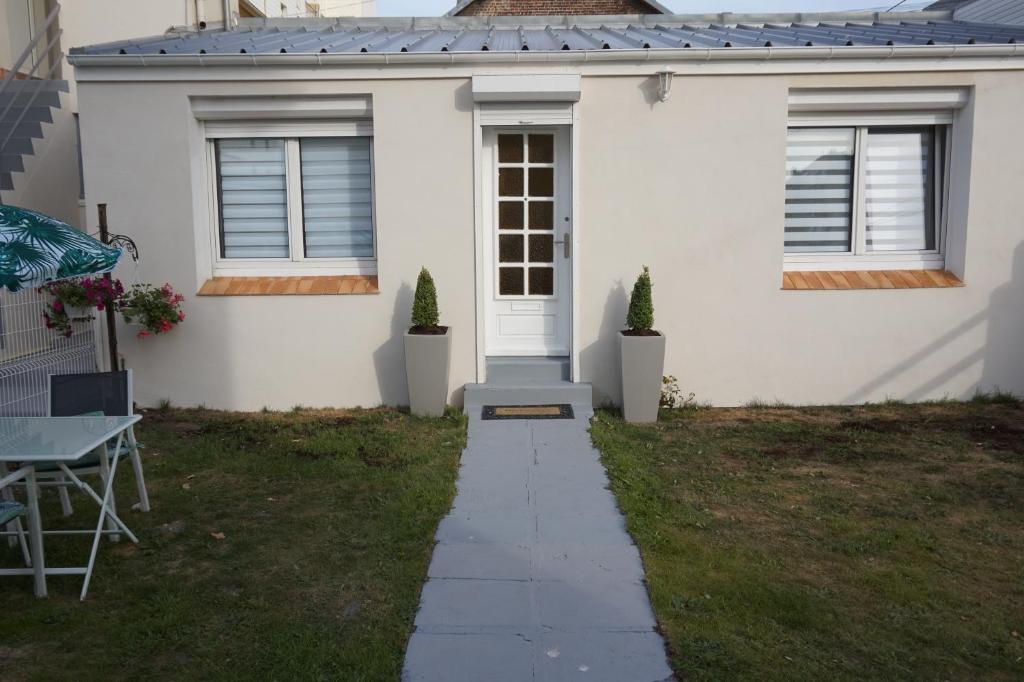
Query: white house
pixel 831 205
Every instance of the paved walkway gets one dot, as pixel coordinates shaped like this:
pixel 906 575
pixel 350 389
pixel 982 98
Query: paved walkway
pixel 534 576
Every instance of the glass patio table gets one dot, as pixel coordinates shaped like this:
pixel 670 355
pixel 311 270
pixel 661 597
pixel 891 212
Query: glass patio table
pixel 29 441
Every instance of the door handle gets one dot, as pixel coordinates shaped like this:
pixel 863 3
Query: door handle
pixel 566 243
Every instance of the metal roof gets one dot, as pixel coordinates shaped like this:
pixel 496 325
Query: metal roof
pixel 574 34
pixel 992 11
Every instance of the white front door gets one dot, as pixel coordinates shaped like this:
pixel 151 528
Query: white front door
pixel 527 240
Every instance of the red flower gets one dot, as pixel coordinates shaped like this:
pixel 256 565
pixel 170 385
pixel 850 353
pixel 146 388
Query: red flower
pixel 143 334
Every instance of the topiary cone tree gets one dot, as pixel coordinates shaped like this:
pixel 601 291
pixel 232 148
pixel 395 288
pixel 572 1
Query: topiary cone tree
pixel 428 352
pixel 424 302
pixel 643 356
pixel 640 317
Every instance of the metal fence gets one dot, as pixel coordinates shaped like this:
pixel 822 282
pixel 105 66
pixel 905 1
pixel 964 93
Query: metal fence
pixel 30 353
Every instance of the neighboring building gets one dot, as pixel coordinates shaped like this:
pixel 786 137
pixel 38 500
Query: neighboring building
pixel 39 166
pixel 42 165
pixel 488 8
pixel 346 8
pixel 830 205
pixel 983 11
pixel 275 9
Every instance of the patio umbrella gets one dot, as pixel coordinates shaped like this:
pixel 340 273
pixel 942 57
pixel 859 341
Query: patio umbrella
pixel 36 249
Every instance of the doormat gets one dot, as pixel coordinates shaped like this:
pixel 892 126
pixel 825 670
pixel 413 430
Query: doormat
pixel 527 412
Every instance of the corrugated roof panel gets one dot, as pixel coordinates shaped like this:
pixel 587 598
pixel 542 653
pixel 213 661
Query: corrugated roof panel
pixel 690 37
pixel 995 11
pixel 666 33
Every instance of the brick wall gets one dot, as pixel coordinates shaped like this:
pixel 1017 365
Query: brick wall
pixel 532 7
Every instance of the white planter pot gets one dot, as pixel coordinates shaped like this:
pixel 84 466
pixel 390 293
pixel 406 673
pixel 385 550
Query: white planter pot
pixel 643 365
pixel 75 312
pixel 427 359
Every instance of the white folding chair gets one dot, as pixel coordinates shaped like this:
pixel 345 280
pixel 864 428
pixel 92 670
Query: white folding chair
pixel 11 512
pixel 94 394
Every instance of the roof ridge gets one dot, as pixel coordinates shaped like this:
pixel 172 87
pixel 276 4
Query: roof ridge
pixel 463 4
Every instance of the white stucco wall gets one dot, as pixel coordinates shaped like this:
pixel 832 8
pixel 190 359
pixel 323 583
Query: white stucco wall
pixel 250 352
pixel 693 188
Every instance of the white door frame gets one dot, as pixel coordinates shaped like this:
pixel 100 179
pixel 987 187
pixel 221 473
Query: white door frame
pixel 525 115
pixel 529 309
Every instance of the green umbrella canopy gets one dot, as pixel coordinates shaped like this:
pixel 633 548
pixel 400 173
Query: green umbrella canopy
pixel 36 249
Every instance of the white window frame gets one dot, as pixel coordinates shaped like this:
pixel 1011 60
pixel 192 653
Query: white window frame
pixel 863 108
pixel 297 264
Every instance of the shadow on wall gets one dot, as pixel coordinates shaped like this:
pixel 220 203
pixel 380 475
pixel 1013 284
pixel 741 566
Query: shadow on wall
pixel 1001 353
pixel 389 358
pixel 649 87
pixel 599 361
pixel 464 98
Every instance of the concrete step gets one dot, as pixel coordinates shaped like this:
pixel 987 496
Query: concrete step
pixel 33 113
pixel 33 85
pixel 510 371
pixel 24 99
pixel 19 145
pixel 11 163
pixel 478 395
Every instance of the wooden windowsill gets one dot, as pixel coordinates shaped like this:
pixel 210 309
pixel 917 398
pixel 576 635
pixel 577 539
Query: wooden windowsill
pixel 340 285
pixel 868 279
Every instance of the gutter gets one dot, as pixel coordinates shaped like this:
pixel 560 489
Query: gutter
pixel 731 54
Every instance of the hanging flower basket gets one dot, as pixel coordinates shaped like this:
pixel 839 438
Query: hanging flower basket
pixel 77 299
pixel 155 310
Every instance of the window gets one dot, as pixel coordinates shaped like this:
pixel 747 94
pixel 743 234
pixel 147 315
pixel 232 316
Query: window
pixel 865 193
pixel 295 200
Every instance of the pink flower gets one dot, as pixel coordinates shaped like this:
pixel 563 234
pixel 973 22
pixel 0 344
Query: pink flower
pixel 58 306
pixel 181 317
pixel 143 334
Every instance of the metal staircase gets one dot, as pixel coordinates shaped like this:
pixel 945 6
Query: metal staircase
pixel 27 98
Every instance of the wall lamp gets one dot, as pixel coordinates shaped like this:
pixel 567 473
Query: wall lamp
pixel 665 83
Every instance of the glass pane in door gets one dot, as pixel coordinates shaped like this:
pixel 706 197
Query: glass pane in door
pixel 510 148
pixel 542 182
pixel 510 281
pixel 510 215
pixel 510 248
pixel 542 248
pixel 510 182
pixel 542 215
pixel 542 281
pixel 542 148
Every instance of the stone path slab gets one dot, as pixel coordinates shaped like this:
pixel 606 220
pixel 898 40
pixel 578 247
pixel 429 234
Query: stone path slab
pixel 534 576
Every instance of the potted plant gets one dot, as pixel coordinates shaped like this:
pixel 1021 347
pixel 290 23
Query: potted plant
pixel 643 356
pixel 156 310
pixel 75 299
pixel 428 351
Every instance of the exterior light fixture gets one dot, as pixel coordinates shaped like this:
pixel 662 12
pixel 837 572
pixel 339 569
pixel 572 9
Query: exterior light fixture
pixel 665 83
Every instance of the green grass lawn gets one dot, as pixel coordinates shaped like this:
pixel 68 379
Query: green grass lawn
pixel 327 521
pixel 879 542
